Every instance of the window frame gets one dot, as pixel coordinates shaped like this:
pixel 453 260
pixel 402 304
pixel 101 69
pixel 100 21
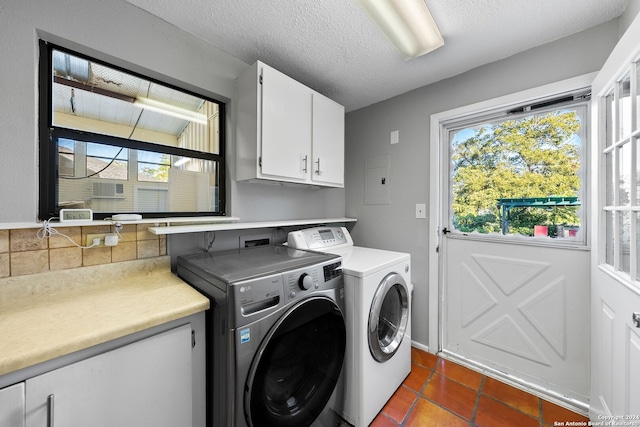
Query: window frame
pixel 515 110
pixel 48 133
pixel 620 246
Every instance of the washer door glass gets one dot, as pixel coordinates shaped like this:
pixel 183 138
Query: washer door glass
pixel 297 366
pixel 388 317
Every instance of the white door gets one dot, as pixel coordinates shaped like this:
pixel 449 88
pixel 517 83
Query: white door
pixel 511 303
pixel 286 127
pixel 147 383
pixel 615 289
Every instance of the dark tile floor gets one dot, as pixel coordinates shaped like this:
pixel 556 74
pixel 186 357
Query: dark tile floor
pixel 439 392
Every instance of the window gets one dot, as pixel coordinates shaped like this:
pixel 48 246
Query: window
pixel 118 142
pixel 621 160
pixel 519 172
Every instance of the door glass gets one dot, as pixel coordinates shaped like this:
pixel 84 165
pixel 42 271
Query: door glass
pixel 609 107
pixel 520 174
pixel 299 366
pixel 390 316
pixel 624 100
pixel 624 175
pixel 609 237
pixel 625 241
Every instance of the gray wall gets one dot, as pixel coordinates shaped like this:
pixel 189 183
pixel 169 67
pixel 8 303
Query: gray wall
pixel 394 226
pixel 124 35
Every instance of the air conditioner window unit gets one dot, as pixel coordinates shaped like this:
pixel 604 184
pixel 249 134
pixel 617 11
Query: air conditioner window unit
pixel 108 190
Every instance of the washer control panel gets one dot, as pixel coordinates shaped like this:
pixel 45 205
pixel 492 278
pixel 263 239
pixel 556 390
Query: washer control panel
pixel 318 278
pixel 319 238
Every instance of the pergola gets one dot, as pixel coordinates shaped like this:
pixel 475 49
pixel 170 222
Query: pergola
pixel 532 202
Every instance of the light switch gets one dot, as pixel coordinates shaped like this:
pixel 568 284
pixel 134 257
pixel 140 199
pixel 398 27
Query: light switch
pixel 395 136
pixel 421 211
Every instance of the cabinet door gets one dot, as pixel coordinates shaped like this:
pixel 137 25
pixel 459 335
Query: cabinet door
pixel 147 383
pixel 286 127
pixel 328 141
pixel 12 406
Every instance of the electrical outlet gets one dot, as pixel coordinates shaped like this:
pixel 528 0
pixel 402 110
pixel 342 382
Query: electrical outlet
pixel 90 238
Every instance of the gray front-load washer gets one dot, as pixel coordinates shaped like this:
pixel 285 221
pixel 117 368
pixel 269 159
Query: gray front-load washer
pixel 276 334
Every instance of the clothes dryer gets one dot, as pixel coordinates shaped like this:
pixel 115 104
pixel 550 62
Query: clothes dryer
pixel 378 319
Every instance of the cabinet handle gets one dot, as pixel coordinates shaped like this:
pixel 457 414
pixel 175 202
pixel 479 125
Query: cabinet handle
pixel 304 169
pixel 318 169
pixel 50 410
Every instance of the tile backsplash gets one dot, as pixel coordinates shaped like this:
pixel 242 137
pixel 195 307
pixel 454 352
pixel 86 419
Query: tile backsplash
pixel 23 252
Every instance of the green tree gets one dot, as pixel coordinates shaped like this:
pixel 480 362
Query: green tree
pixel 536 156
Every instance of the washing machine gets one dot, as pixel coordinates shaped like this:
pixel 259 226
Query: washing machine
pixel 276 335
pixel 378 316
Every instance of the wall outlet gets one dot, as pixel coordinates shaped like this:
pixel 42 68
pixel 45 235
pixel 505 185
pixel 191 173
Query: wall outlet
pixel 111 240
pixel 106 239
pixel 421 211
pixel 90 238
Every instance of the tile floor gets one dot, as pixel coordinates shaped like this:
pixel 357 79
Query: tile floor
pixel 438 392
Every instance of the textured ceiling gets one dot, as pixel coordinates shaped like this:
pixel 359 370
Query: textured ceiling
pixel 331 46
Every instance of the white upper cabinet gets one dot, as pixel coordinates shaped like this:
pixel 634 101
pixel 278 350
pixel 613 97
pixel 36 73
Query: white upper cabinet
pixel 286 131
pixel 327 142
pixel 286 127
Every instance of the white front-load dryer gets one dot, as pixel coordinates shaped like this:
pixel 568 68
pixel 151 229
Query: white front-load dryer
pixel 378 289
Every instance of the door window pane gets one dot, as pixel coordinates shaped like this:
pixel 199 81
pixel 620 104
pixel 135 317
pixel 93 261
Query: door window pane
pixel 624 108
pixel 609 238
pixel 608 164
pixel 624 175
pixel 519 175
pixel 625 241
pixel 608 105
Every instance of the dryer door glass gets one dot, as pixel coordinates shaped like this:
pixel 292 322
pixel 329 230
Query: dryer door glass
pixel 297 366
pixel 388 317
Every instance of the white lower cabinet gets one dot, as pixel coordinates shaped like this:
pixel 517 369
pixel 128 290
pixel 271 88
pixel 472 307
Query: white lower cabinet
pixel 12 406
pixel 146 383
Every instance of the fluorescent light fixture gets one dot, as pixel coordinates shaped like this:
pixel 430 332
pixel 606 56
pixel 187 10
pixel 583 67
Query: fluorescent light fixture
pixel 170 110
pixel 182 161
pixel 408 24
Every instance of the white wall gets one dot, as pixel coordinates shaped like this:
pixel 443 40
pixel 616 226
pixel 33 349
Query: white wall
pixel 394 226
pixel 124 35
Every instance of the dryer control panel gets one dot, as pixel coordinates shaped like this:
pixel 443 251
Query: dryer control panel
pixel 319 238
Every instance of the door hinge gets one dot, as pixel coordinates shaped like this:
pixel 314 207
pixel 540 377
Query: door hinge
pixel 193 338
pixel 260 78
pixel 260 161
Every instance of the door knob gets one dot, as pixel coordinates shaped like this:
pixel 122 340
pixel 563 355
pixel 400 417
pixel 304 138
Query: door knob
pixel 636 319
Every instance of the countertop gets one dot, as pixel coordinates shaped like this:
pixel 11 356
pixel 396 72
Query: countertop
pixel 47 315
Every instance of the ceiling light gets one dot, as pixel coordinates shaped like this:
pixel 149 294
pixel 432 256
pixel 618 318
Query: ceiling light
pixel 182 161
pixel 170 110
pixel 408 24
